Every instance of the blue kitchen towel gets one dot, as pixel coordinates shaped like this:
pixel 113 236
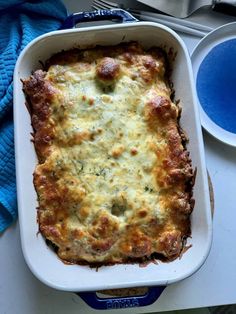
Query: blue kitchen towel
pixel 20 22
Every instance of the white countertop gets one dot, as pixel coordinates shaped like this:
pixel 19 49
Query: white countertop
pixel 213 284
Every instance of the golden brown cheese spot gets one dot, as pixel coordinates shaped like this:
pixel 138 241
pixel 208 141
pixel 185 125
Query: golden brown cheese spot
pixel 91 101
pixel 117 151
pixel 134 151
pixel 142 213
pixel 138 245
pixel 104 226
pixel 81 136
pixel 73 193
pixel 108 70
pixel 101 245
pixel 77 234
pixel 161 108
pixel 171 243
pixel 43 140
pixel 83 212
pixel 149 68
pixel 179 202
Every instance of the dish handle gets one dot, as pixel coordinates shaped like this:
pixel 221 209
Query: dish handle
pixel 99 15
pixel 98 303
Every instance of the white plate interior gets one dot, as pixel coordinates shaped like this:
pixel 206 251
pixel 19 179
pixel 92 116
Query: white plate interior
pixel 221 34
pixel 41 260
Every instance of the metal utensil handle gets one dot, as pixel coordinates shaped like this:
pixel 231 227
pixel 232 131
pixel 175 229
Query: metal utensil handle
pixel 99 15
pixel 225 6
pixel 97 303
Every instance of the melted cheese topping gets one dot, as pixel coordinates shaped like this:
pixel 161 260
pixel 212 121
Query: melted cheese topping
pixel 114 175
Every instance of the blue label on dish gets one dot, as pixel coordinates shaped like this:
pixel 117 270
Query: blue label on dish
pixel 216 85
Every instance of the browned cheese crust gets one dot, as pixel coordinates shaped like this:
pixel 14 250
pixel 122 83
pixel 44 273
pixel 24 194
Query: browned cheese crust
pixel 114 179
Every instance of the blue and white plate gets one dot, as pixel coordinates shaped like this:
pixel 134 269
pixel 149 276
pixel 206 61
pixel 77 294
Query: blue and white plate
pixel 214 67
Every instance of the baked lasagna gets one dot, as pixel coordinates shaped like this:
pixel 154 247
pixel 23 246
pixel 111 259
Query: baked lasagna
pixel 114 179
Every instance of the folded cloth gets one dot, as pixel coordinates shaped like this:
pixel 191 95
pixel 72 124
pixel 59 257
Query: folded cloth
pixel 20 22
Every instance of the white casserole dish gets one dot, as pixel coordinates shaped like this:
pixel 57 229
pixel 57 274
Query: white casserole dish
pixel 42 261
